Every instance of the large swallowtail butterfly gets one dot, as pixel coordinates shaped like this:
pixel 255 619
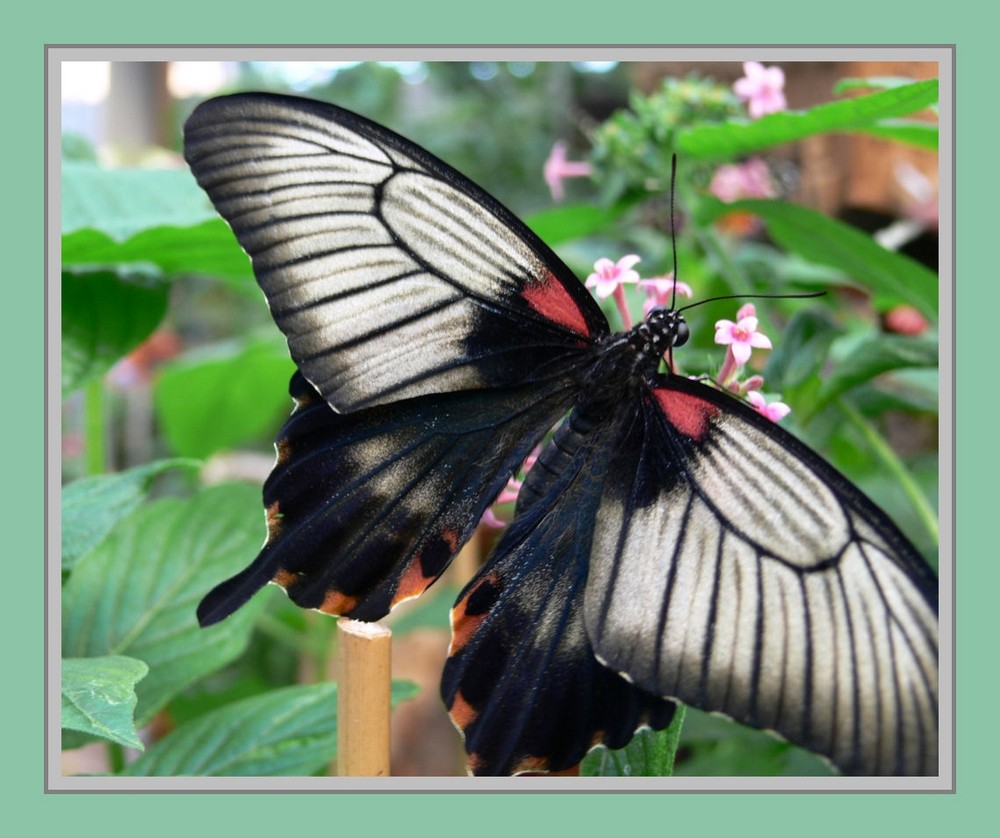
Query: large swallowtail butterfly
pixel 669 544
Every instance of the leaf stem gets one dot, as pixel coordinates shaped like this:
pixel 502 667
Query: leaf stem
pixel 116 758
pixel 95 455
pixel 883 451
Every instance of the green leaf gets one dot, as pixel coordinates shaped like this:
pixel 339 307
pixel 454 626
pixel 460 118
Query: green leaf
pixel 289 731
pixel 122 202
pixel 92 506
pixel 874 357
pixel 871 83
pixel 98 697
pixel 803 349
pixel 820 239
pixel 208 248
pixel 910 131
pixel 651 753
pixel 137 591
pixel 104 316
pixel 732 139
pixel 566 223
pixel 714 747
pixel 209 404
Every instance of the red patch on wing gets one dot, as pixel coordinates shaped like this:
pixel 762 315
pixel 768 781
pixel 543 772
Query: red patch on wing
pixel 690 415
pixel 551 300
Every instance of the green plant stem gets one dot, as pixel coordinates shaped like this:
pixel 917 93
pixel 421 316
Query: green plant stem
pixel 95 457
pixel 321 643
pixel 116 758
pixel 883 451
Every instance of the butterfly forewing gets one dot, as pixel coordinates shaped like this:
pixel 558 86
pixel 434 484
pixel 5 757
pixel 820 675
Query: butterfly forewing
pixel 391 275
pixel 733 569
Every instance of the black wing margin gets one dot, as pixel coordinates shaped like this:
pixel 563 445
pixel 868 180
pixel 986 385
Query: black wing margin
pixel 735 570
pixel 390 274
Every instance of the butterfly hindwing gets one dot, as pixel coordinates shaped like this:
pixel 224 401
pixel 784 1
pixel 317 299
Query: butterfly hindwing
pixel 521 681
pixel 366 509
pixel 390 274
pixel 736 571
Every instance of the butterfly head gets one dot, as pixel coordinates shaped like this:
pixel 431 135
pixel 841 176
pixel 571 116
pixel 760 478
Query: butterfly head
pixel 667 328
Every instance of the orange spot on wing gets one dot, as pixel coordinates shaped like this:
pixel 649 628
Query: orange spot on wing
pixel 337 603
pixel 464 625
pixel 531 765
pixel 285 578
pixel 283 450
pixel 461 712
pixel 412 584
pixel 274 520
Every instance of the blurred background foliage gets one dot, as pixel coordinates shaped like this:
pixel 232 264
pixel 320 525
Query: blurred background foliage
pixel 175 378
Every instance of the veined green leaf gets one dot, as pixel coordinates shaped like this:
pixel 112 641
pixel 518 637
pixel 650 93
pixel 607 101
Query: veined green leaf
pixel 651 753
pixel 285 732
pixel 92 506
pixel 98 697
pixel 136 593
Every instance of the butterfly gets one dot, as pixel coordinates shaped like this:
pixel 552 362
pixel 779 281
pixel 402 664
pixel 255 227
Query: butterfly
pixel 669 544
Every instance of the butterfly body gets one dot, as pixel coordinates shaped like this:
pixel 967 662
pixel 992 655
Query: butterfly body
pixel 670 543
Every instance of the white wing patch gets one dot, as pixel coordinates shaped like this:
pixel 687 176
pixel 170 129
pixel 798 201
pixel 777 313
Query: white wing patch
pixel 750 587
pixel 376 268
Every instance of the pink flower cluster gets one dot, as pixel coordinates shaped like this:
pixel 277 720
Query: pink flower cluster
pixel 558 168
pixel 609 278
pixel 740 339
pixel 762 88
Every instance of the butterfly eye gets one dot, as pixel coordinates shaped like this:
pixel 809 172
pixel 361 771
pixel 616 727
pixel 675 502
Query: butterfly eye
pixel 682 334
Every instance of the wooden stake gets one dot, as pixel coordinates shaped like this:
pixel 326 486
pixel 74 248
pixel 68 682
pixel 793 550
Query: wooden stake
pixel 363 698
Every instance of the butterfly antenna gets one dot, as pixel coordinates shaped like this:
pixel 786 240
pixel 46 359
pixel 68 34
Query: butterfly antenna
pixel 673 229
pixel 805 296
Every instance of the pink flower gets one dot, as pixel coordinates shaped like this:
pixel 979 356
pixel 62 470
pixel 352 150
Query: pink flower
pixel 557 168
pixel 660 291
pixel 742 336
pixel 762 87
pixel 510 491
pixel 733 181
pixel 608 275
pixel 776 411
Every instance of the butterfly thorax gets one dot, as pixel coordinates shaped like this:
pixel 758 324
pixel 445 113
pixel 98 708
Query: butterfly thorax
pixel 626 360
